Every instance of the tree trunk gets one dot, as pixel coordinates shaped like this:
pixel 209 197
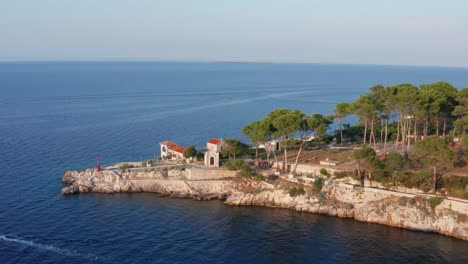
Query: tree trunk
pixel 445 126
pixel 341 131
pixel 437 126
pixel 297 157
pixel 365 131
pixel 268 152
pixel 373 134
pixel 285 156
pixel 361 178
pixel 409 139
pixel 385 139
pixel 398 134
pixel 381 130
pixel 276 158
pixel 285 162
pixel 403 137
pixel 426 127
pixel 435 179
pixel 359 170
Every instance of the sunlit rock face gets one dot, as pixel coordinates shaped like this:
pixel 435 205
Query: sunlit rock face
pixel 363 204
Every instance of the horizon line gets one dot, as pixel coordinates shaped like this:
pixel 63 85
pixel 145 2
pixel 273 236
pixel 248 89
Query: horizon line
pixel 222 62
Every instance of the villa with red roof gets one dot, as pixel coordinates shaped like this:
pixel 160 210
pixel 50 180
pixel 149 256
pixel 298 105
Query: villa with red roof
pixel 213 147
pixel 170 150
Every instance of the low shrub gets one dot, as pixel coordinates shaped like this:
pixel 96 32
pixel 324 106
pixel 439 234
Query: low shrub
pixel 324 171
pixel 145 163
pixel 318 185
pixel 293 192
pixel 199 157
pixel 455 185
pixel 382 178
pixel 403 201
pixel 244 170
pixel 272 177
pixel 327 138
pixel 340 174
pixel 126 166
pixel 235 164
pixel 421 180
pixel 434 201
pixel 259 177
pixel 322 198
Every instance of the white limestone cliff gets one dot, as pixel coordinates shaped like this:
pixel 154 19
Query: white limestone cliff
pixel 371 205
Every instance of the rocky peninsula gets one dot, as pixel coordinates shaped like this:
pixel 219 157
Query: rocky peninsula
pixel 366 204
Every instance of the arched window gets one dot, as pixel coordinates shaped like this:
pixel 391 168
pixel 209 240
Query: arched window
pixel 212 161
pixel 164 148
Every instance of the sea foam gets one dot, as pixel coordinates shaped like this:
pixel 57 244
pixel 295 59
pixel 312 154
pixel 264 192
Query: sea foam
pixel 45 247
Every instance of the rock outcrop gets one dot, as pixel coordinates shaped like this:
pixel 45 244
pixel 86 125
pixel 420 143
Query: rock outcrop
pixel 409 211
pixel 165 183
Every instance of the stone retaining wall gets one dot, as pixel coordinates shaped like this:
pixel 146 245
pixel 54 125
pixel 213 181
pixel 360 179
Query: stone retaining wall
pixel 314 170
pixel 208 174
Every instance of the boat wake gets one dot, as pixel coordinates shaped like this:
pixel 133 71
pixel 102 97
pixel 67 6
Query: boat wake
pixel 40 246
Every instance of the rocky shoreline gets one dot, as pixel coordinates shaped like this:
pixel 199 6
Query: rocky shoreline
pixel 370 205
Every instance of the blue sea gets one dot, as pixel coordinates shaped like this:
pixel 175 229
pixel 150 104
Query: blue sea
pixel 57 116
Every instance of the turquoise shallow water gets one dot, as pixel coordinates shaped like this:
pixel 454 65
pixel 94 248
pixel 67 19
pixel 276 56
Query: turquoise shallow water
pixel 59 116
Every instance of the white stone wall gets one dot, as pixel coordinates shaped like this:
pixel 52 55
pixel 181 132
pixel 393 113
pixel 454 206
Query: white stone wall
pixel 209 174
pixel 213 147
pixel 208 156
pixel 213 152
pixel 314 170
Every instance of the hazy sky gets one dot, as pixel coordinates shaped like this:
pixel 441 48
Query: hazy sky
pixel 406 32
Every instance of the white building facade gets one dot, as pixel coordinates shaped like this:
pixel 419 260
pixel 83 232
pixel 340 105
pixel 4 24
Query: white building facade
pixel 170 150
pixel 213 148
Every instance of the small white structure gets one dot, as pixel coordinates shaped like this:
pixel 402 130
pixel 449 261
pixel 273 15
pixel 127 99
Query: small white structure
pixel 329 162
pixel 170 150
pixel 213 147
pixel 273 145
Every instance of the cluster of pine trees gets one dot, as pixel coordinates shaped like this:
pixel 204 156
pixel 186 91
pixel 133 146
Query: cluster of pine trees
pixel 413 113
pixel 292 128
pixel 420 120
pixel 430 109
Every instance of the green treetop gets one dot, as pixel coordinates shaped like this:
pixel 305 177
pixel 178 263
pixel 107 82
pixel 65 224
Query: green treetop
pixel 190 152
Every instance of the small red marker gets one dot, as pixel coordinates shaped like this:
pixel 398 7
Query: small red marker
pixel 98 159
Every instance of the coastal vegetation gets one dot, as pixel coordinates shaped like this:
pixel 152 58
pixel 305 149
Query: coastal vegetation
pixel 317 167
pixel 233 148
pixel 318 185
pixel 242 168
pixel 126 166
pixel 408 135
pixel 296 191
pixel 324 172
pixel 190 152
pixel 434 201
pixel 401 135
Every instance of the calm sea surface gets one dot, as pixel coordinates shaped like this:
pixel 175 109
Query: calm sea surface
pixel 59 116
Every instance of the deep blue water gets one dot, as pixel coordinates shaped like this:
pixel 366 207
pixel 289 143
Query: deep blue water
pixel 59 116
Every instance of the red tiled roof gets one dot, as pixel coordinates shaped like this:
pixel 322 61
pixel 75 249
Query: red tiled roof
pixel 168 144
pixel 177 149
pixel 173 146
pixel 214 141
